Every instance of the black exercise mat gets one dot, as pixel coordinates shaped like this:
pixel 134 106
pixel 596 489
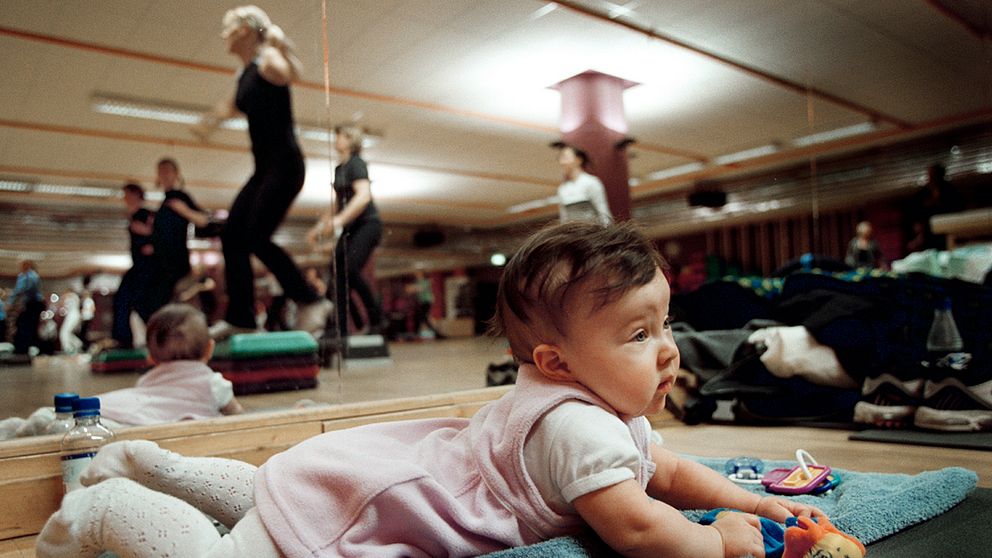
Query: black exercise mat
pixel 961 532
pixel 964 440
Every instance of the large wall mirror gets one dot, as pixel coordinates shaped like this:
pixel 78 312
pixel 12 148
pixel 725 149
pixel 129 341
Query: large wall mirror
pixel 761 131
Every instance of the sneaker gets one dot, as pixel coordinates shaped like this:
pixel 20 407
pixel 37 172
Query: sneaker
pixel 312 317
pixel 888 402
pixel 221 330
pixel 950 405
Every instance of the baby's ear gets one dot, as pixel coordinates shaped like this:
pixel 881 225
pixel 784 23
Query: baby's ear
pixel 550 360
pixel 209 352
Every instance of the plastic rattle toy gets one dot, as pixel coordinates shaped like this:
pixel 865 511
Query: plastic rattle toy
pixel 804 478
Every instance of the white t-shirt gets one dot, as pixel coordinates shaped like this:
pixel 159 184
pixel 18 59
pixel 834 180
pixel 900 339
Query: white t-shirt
pixel 577 448
pixel 222 389
pixel 583 199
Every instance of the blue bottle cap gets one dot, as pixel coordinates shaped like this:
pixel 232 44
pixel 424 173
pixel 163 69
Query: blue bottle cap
pixel 86 407
pixel 64 401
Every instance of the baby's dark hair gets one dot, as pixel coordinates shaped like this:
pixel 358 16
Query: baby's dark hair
pixel 177 332
pixel 536 291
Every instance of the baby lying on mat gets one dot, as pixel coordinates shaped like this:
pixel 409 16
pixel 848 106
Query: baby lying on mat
pixel 179 387
pixel 585 310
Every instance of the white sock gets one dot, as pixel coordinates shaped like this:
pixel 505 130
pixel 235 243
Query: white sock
pixel 10 426
pixel 38 423
pixel 220 488
pixel 128 519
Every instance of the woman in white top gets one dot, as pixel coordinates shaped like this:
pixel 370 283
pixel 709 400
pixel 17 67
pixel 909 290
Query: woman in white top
pixel 581 196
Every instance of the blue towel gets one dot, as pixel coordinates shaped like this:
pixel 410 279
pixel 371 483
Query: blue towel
pixel 869 506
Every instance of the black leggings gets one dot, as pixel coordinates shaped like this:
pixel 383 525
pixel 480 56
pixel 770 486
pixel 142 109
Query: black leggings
pixel 165 274
pixel 352 252
pixel 133 288
pixel 256 213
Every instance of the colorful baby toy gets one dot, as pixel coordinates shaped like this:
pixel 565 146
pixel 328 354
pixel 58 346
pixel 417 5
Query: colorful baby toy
pixel 801 537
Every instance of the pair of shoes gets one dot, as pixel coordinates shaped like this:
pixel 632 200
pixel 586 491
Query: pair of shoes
pixel 888 402
pixel 221 330
pixel 312 317
pixel 950 405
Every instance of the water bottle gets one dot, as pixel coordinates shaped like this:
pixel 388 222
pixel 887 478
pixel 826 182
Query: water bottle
pixel 64 420
pixel 80 444
pixel 944 344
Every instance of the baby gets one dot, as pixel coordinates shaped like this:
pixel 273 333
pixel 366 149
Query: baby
pixel 180 387
pixel 585 309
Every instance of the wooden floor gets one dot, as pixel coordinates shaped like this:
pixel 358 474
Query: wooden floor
pixel 457 364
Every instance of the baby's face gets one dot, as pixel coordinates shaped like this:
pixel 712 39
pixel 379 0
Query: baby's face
pixel 624 352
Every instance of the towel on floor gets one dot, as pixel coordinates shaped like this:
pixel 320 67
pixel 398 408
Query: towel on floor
pixel 869 506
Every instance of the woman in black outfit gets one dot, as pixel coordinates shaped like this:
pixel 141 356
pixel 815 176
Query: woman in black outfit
pixel 170 253
pixel 357 228
pixel 263 96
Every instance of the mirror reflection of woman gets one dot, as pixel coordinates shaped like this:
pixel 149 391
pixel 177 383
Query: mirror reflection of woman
pixel 357 227
pixel 170 228
pixel 263 96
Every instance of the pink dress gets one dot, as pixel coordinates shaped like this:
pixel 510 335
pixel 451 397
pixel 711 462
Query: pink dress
pixel 170 392
pixel 437 487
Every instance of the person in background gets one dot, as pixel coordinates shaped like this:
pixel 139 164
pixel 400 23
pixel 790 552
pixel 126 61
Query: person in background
pixel 68 341
pixel 581 195
pixel 26 300
pixel 423 294
pixel 312 275
pixel 263 95
pixel 134 282
pixel 3 316
pixel 170 229
pixel 937 197
pixel 87 311
pixel 586 310
pixel 357 229
pixel 863 250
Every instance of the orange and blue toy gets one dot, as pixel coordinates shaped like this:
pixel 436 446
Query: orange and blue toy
pixel 801 537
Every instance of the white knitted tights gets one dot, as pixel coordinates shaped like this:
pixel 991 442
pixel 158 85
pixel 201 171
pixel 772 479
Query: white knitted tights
pixel 128 519
pixel 220 488
pixel 142 502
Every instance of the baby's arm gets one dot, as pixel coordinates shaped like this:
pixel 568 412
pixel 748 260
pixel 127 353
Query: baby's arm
pixel 686 484
pixel 635 525
pixel 233 407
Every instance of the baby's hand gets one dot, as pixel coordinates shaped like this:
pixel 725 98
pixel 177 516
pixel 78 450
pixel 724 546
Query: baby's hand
pixel 780 509
pixel 741 535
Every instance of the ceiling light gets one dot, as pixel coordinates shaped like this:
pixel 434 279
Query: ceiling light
pixel 830 135
pixel 14 186
pixel 497 259
pixel 68 190
pixel 193 114
pixel 616 10
pixel 543 10
pixel 163 112
pixel 746 154
pixel 529 205
pixel 674 171
pixel 58 189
